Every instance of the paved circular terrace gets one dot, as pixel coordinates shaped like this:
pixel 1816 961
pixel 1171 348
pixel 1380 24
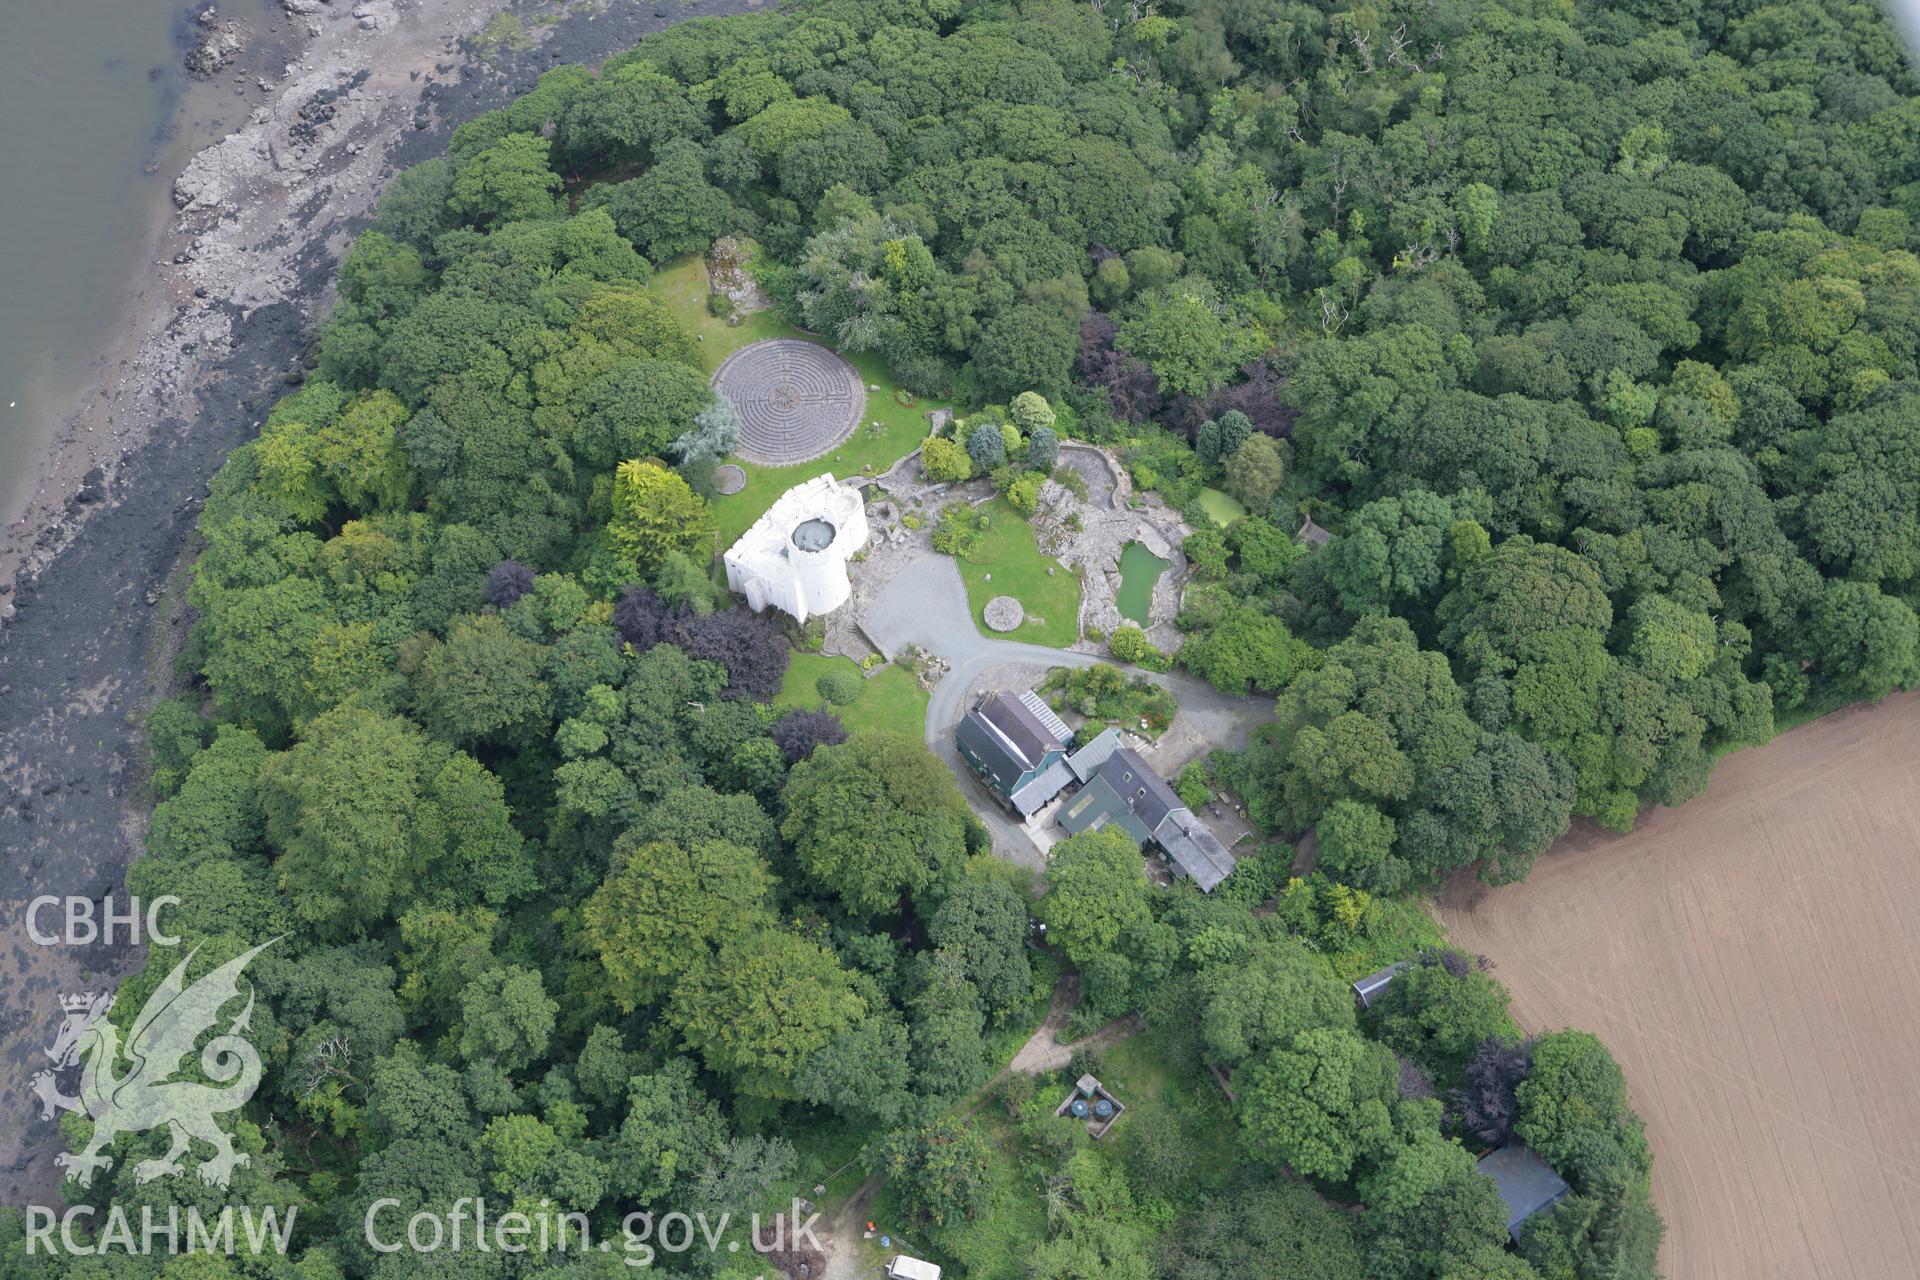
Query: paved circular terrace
pixel 728 479
pixel 1004 613
pixel 795 400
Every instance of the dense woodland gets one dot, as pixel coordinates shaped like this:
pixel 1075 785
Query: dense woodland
pixel 1589 333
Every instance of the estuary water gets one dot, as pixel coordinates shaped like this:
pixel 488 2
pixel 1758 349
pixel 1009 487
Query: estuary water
pixel 94 96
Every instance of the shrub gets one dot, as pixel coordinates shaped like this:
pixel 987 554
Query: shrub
pixel 1024 493
pixel 1031 411
pixel 944 461
pixel 987 448
pixel 1129 643
pixel 958 533
pixel 839 685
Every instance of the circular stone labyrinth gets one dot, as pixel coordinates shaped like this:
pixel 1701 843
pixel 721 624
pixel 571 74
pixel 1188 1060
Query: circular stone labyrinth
pixel 795 400
pixel 1003 613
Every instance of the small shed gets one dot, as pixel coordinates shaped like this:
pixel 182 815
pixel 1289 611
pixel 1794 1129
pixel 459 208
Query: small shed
pixel 901 1267
pixel 1526 1183
pixel 1373 984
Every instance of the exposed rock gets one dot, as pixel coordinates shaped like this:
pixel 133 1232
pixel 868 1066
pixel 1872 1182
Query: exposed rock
pixel 376 15
pixel 728 276
pixel 219 48
pixel 1090 534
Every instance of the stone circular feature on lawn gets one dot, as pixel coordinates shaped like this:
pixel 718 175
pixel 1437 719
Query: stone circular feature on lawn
pixel 728 479
pixel 795 400
pixel 1004 613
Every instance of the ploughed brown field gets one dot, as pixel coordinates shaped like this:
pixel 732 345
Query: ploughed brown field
pixel 1753 960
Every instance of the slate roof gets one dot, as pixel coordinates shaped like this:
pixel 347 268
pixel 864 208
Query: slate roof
pixel 1087 760
pixel 990 751
pixel 1526 1183
pixel 1127 792
pixel 1019 745
pixel 1144 792
pixel 1194 849
pixel 1042 788
pixel 1031 737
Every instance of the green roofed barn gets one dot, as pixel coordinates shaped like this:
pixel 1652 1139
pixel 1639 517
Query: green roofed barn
pixel 1018 747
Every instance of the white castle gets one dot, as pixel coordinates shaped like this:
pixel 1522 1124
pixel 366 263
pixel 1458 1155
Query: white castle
pixel 795 556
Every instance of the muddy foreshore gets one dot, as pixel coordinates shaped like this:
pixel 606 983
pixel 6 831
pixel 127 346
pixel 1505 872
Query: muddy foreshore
pixel 93 606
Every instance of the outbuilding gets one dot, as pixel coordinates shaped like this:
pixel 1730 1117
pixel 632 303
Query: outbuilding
pixel 1368 989
pixel 1527 1184
pixel 901 1267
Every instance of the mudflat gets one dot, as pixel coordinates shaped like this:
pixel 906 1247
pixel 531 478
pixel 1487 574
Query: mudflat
pixel 1752 958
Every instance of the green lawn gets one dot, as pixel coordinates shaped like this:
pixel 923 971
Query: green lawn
pixel 893 699
pixel 1221 507
pixel 682 283
pixel 1142 1073
pixel 1009 555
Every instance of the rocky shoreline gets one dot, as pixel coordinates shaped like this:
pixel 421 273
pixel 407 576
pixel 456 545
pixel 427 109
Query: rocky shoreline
pixel 91 581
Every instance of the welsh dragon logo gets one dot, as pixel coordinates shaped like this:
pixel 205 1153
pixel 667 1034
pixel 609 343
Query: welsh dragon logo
pixel 146 1096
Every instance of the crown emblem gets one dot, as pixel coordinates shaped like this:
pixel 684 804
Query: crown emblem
pixel 79 1003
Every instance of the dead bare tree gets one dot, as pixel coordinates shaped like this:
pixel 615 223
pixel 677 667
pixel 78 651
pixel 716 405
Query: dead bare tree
pixel 329 1060
pixel 1333 313
pixel 1397 47
pixel 1359 41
